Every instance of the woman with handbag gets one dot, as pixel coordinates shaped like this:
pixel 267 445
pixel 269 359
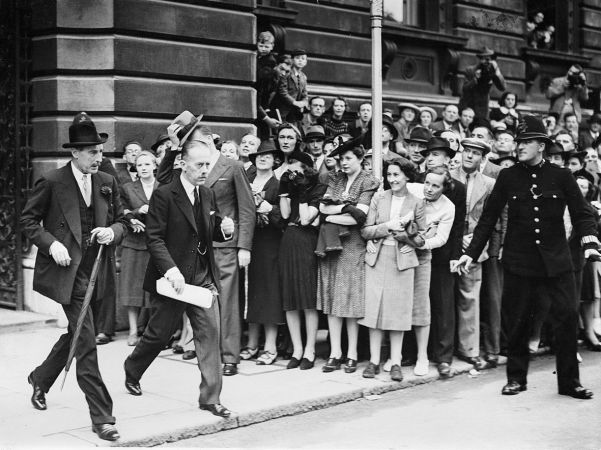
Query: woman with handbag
pixel 264 298
pixel 394 223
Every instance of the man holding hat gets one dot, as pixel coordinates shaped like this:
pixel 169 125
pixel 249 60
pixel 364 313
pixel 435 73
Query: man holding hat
pixel 478 188
pixel 442 284
pixel 537 265
pixel 80 209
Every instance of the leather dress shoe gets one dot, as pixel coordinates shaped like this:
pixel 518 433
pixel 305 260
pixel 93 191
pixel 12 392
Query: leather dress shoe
pixel 513 388
pixel 230 369
pixel 474 361
pixel 331 365
pixel 445 370
pixel 592 347
pixel 306 364
pixel 350 366
pixel 293 363
pixel 396 374
pixel 38 398
pixel 102 339
pixel 216 409
pixel 491 361
pixel 189 354
pixel 106 431
pixel 133 387
pixel 371 370
pixel 577 392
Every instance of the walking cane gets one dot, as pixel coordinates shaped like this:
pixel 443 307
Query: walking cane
pixel 84 310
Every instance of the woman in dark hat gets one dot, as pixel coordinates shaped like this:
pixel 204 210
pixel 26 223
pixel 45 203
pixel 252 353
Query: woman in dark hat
pixel 506 112
pixel 341 281
pixel 300 193
pixel 264 298
pixel 505 161
pixel 288 139
pixel 134 256
pixel 389 270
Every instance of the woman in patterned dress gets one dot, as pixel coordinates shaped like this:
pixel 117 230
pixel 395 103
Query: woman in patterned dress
pixel 341 275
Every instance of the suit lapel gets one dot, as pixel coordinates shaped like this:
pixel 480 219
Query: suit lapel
pixel 205 203
pixel 478 190
pixel 67 192
pixel 100 201
pixel 183 202
pixel 216 171
pixel 384 207
pixel 139 191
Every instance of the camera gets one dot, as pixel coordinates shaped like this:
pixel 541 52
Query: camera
pixel 576 79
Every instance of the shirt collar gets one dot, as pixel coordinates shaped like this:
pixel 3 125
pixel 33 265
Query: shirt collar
pixel 188 187
pixel 78 174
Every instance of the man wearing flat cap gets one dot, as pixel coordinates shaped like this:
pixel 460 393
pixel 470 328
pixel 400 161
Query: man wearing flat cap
pixel 80 209
pixel 478 188
pixel 537 264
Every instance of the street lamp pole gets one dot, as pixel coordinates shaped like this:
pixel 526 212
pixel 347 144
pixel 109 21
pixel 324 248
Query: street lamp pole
pixel 376 85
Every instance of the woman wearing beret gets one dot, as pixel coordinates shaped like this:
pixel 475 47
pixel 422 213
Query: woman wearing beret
pixel 389 270
pixel 341 280
pixel 264 298
pixel 300 193
pixel 134 256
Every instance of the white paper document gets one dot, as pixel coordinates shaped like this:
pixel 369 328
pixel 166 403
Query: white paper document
pixel 194 295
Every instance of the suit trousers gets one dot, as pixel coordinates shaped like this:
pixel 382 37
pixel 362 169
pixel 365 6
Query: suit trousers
pixel 442 305
pixel 468 311
pixel 490 306
pixel 231 321
pixel 205 329
pixel 104 310
pixel 87 372
pixel 521 297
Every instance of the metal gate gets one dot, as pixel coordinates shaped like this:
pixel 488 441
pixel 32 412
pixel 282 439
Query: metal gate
pixel 15 131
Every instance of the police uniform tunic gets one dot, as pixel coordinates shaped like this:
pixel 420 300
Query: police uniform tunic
pixel 536 259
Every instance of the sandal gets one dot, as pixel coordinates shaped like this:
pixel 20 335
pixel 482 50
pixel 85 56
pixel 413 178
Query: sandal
pixel 246 353
pixel 266 358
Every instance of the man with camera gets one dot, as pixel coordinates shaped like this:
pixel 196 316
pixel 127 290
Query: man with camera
pixel 567 93
pixel 479 80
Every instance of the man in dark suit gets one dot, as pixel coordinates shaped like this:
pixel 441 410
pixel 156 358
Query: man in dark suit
pixel 126 173
pixel 181 225
pixel 80 208
pixel 234 199
pixel 450 115
pixel 538 269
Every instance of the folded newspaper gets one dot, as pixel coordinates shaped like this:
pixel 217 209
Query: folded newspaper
pixel 194 295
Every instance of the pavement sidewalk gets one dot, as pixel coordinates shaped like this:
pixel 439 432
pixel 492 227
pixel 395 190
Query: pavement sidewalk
pixel 168 409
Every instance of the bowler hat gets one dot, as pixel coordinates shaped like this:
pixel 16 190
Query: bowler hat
pixel 162 138
pixel 419 134
pixel 185 123
pixel 387 122
pixel 577 154
pixel 82 132
pixel 406 105
pixel 432 112
pixel 477 144
pixel 315 131
pixel 438 143
pixel 531 127
pixel 595 118
pixel 267 146
pixel 556 149
pixel 303 157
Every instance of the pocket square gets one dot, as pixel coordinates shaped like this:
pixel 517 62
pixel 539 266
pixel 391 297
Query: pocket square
pixel 222 179
pixel 211 213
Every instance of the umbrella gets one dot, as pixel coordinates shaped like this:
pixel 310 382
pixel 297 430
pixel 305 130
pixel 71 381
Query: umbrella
pixel 84 310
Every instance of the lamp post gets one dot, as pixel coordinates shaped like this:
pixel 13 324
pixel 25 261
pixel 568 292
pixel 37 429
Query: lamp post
pixel 376 85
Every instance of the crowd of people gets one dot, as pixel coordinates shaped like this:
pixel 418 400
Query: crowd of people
pixel 477 214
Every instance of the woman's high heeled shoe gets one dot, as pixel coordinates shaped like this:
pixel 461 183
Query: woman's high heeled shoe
pixel 331 365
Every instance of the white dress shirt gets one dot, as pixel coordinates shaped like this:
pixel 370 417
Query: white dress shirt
pixel 79 177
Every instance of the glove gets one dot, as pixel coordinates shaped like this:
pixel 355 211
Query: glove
pixel 285 183
pixel 359 216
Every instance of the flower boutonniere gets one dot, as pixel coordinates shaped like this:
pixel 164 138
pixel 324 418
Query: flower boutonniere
pixel 106 190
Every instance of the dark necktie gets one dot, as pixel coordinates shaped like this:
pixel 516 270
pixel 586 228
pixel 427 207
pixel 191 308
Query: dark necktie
pixel 196 205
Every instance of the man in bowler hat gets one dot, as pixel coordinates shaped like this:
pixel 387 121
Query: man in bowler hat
pixel 538 269
pixel 80 209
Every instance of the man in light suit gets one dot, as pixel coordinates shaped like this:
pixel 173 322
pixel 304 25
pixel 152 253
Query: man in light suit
pixel 80 208
pixel 467 293
pixel 234 199
pixel 481 131
pixel 181 225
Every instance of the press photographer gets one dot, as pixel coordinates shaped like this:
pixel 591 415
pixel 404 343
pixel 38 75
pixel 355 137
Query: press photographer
pixel 567 93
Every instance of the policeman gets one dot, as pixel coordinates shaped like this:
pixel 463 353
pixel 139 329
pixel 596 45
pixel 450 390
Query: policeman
pixel 536 258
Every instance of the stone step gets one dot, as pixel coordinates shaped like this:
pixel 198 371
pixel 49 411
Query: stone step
pixel 13 321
